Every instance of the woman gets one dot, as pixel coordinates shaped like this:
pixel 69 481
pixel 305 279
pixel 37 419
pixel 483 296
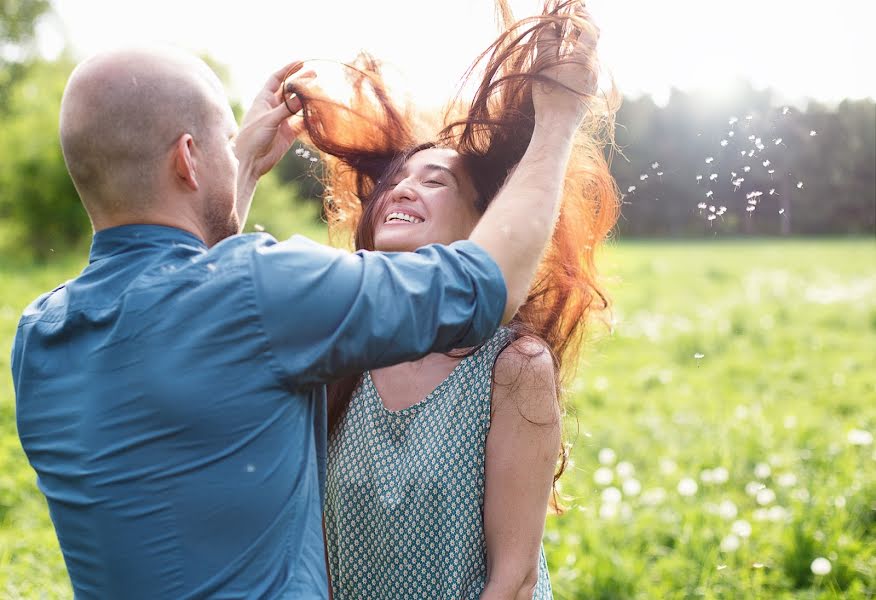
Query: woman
pixel 440 470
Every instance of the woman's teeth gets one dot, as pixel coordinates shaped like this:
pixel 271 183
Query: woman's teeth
pixel 399 216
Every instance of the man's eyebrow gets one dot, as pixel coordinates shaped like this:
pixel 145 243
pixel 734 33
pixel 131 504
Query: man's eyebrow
pixel 443 169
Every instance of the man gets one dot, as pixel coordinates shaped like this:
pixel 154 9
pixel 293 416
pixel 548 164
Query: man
pixel 171 398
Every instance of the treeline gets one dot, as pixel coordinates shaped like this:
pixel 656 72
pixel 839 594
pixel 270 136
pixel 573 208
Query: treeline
pixel 690 168
pixel 745 164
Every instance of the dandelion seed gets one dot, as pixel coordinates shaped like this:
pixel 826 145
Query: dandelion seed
pixel 746 169
pixel 765 496
pixel 742 153
pixel 781 211
pixel 771 171
pixel 654 165
pixel 751 153
pixel 766 163
pixel 748 117
pixel 732 120
pixel 777 141
pixel 607 456
pixel 730 543
pixel 709 160
pixel 752 201
pixel 859 437
pixel 772 191
pixel 749 209
pixel 631 189
pixel 731 133
pixel 258 227
pixel 305 154
pixel 799 185
pixel 654 496
pixel 753 487
pixel 800 495
pixel 701 206
pixel 732 173
pixel 313 159
pixel 299 151
pixel 643 177
pixel 667 466
pixel 611 495
pixel 687 487
pixel 741 527
pixel 757 565
pixel 820 566
pixel 699 355
pixel 737 182
pixel 751 138
pixel 699 178
pixel 721 210
pixel 603 476
pixel 713 177
pixel 709 194
pixel 711 217
pixel 727 510
pixel 659 173
pixel 812 133
pixel 777 514
pixel 724 143
pixel 608 511
pixel 721 567
pixel 625 469
pixel 785 110
pixel 711 209
pixel 632 487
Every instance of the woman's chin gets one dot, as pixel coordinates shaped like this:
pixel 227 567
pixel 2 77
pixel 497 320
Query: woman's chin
pixel 395 241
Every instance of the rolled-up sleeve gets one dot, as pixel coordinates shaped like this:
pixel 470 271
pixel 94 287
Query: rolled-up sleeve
pixel 327 312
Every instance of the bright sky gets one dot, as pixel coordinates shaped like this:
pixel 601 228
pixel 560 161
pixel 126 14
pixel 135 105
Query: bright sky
pixel 803 49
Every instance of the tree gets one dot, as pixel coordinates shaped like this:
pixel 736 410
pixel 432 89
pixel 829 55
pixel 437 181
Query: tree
pixel 18 20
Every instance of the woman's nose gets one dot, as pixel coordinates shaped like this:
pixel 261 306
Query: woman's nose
pixel 404 191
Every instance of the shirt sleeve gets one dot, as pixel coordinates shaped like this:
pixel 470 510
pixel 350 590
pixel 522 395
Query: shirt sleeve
pixel 328 313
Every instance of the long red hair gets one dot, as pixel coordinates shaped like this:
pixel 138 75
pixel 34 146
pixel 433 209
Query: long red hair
pixel 364 141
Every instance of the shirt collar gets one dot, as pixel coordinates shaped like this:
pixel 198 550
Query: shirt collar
pixel 127 238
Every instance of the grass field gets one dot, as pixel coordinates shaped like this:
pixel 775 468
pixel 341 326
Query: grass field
pixel 722 434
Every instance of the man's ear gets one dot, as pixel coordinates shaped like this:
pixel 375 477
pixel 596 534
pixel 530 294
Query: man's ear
pixel 184 162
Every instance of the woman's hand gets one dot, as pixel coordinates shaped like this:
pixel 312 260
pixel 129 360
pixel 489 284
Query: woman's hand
pixel 267 132
pixel 573 76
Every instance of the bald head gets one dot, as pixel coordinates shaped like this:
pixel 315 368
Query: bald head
pixel 122 112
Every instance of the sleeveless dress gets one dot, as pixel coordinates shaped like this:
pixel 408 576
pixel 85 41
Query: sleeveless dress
pixel 405 490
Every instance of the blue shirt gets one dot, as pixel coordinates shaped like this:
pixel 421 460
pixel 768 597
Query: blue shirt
pixel 171 398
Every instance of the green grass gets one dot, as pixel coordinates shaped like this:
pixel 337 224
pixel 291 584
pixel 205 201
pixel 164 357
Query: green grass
pixel 786 331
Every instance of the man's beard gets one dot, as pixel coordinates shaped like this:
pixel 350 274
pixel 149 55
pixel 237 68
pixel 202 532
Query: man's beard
pixel 220 223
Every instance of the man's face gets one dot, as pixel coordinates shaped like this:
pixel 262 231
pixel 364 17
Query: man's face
pixel 220 176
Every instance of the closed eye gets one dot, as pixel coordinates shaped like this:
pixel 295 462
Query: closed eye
pixel 433 181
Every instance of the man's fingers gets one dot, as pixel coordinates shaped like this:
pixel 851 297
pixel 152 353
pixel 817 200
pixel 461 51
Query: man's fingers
pixel 278 76
pixel 291 84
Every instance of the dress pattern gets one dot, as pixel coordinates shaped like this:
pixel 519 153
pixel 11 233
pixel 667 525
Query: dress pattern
pixel 405 490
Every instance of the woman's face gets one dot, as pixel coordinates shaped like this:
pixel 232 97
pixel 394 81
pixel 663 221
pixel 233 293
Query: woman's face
pixel 430 200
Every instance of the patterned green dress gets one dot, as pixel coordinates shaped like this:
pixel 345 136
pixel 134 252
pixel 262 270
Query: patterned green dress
pixel 405 490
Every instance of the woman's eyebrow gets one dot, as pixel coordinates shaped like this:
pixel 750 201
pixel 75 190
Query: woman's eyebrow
pixel 443 169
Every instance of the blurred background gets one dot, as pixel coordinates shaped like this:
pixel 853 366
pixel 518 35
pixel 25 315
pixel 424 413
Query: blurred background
pixel 720 427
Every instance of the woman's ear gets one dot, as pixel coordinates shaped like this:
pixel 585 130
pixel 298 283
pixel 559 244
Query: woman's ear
pixel 184 162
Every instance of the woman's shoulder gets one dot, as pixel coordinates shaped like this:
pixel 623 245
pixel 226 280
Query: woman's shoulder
pixel 525 377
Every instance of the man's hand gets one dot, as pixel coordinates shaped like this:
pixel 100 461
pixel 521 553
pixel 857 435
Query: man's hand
pixel 573 76
pixel 267 132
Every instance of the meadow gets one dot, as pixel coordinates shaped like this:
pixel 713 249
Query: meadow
pixel 720 429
